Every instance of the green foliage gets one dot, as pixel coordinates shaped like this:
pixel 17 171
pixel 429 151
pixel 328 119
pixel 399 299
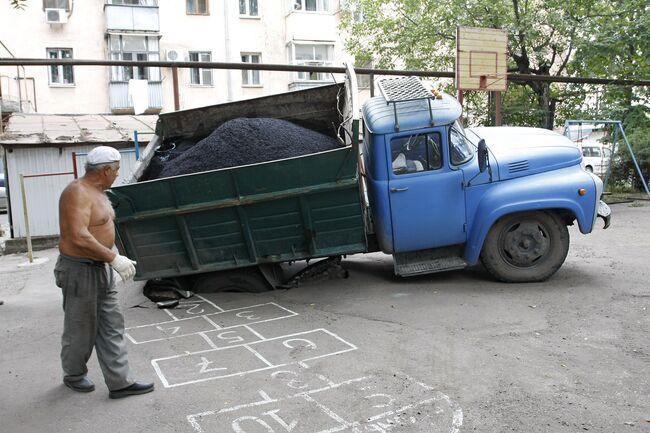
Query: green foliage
pixel 18 4
pixel 593 38
pixel 637 130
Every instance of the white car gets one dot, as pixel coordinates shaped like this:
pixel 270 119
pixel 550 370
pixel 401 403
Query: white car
pixel 3 191
pixel 595 158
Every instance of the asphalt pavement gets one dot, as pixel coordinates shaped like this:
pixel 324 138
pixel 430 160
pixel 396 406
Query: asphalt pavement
pixel 451 352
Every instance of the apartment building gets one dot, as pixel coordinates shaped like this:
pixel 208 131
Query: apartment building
pixel 254 31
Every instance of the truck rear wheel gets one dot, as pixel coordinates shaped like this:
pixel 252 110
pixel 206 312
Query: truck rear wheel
pixel 233 280
pixel 525 247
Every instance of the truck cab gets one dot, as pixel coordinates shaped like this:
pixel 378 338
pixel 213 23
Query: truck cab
pixel 444 198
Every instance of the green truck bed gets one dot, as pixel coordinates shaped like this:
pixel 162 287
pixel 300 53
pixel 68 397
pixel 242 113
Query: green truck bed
pixel 285 210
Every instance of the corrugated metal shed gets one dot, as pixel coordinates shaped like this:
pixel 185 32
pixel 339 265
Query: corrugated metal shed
pixel 43 145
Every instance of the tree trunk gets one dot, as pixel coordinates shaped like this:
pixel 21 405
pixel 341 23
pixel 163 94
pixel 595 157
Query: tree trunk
pixel 547 115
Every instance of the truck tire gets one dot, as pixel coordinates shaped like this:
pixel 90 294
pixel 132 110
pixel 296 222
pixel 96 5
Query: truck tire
pixel 248 280
pixel 525 247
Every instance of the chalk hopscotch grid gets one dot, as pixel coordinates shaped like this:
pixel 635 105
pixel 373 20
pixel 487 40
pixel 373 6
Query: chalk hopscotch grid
pixel 207 318
pixel 166 384
pixel 266 399
pixel 187 302
pixel 457 419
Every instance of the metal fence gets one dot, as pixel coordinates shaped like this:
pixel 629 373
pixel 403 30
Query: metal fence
pixel 561 98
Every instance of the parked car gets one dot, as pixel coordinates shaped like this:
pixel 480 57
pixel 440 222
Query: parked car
pixel 595 158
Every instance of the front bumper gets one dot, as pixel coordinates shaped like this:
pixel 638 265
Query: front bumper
pixel 605 213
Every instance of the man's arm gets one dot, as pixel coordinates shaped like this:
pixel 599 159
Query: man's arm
pixel 75 210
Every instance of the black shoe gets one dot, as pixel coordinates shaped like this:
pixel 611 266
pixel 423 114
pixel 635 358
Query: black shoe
pixel 82 385
pixel 135 389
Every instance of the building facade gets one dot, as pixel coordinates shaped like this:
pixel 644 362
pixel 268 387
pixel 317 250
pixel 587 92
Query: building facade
pixel 301 32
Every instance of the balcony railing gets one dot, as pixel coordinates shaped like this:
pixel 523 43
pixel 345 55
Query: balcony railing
pixel 304 80
pixel 121 101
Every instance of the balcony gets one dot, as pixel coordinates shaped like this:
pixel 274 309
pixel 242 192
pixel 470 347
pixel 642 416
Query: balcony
pixel 306 80
pixel 134 16
pixel 317 26
pixel 121 102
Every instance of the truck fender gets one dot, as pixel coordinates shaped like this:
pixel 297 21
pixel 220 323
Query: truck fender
pixel 497 202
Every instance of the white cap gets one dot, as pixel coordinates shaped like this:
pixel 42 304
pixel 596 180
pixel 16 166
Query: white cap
pixel 103 155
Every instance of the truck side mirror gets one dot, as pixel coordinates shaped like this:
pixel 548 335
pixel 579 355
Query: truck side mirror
pixel 483 157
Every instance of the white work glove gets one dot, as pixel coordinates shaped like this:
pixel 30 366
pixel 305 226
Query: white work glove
pixel 124 266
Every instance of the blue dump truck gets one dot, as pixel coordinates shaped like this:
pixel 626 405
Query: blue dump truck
pixel 417 186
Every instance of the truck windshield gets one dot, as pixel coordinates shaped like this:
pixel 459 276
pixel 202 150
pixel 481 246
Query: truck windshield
pixel 460 148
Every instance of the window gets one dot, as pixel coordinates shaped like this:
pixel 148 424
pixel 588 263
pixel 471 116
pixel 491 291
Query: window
pixel 250 77
pixel 460 148
pixel 200 76
pixel 248 7
pixel 196 7
pixel 415 153
pixel 60 75
pixel 310 5
pixel 311 54
pixel 56 4
pixel 134 47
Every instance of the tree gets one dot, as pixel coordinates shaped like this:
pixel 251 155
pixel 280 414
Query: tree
pixel 18 4
pixel 619 47
pixel 544 36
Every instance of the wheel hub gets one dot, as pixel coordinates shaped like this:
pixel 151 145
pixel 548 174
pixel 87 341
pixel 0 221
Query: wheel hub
pixel 525 243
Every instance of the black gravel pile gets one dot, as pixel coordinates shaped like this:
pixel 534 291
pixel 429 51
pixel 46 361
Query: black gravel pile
pixel 245 141
pixel 167 152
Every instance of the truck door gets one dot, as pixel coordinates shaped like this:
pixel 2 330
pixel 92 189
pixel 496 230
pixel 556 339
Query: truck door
pixel 426 193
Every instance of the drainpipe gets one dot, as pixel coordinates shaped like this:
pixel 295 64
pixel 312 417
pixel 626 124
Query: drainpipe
pixel 227 42
pixel 20 93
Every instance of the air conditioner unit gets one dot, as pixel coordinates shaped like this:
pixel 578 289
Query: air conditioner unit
pixel 174 55
pixel 56 16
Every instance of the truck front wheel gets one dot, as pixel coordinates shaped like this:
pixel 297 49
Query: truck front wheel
pixel 525 247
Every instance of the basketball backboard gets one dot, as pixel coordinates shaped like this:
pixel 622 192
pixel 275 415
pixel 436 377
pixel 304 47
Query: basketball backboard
pixel 481 59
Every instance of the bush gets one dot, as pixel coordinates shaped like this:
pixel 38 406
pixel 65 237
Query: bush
pixel 637 130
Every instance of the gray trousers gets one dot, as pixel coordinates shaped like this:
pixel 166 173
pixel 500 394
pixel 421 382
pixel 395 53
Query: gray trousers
pixel 92 318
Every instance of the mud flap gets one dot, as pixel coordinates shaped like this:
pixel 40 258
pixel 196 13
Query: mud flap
pixel 605 213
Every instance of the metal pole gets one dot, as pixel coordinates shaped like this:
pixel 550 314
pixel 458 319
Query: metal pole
pixel 74 165
pixel 137 146
pixel 175 85
pixel 20 93
pixel 30 256
pixel 308 68
pixel 498 120
pixel 460 101
pixel 645 185
pixel 611 159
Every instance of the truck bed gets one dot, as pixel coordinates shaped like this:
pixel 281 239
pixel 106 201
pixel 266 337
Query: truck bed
pixel 284 210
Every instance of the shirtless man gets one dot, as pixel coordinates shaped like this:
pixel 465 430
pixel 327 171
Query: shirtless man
pixel 91 308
